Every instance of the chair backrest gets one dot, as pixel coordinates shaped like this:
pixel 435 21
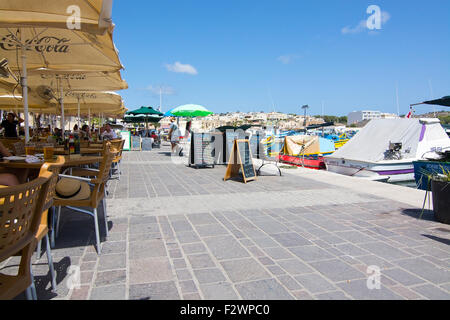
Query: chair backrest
pixel 105 165
pixel 20 214
pixel 19 148
pixel 55 168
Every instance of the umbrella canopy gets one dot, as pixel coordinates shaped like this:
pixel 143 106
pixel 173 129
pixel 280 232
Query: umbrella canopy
pixel 95 14
pixel 141 119
pixel 145 111
pixel 189 110
pixel 445 101
pixel 36 34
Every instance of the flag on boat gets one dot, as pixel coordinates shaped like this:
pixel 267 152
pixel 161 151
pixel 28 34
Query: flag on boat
pixel 411 112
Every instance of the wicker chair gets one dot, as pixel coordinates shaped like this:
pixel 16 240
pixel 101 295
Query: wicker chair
pixel 118 146
pixel 97 180
pixel 43 230
pixel 19 148
pixel 21 209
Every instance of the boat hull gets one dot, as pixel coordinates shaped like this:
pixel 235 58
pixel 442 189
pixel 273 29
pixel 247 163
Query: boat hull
pixel 392 171
pixel 316 164
pixel 423 168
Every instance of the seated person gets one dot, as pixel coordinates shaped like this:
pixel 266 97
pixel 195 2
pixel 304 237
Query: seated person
pixel 7 179
pixel 108 133
pixel 85 133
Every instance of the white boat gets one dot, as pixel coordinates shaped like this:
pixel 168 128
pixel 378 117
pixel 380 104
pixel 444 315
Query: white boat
pixel 386 148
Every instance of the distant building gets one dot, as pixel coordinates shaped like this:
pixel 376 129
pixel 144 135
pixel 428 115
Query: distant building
pixel 359 116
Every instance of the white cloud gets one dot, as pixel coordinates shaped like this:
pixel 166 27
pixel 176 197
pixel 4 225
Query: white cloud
pixel 287 58
pixel 181 68
pixel 362 25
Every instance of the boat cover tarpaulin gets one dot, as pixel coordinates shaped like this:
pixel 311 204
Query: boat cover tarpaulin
pixel 311 145
pixel 418 136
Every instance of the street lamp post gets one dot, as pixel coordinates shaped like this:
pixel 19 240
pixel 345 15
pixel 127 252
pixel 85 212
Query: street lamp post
pixel 305 107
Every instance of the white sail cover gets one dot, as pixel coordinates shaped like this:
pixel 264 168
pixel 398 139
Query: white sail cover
pixel 418 136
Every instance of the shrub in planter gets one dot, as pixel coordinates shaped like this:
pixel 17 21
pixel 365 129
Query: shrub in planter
pixel 440 188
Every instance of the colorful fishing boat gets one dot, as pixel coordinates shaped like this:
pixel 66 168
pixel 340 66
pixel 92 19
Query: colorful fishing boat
pixel 306 151
pixel 423 169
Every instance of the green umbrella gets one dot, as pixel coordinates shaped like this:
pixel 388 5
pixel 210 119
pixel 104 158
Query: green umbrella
pixel 140 118
pixel 189 110
pixel 145 111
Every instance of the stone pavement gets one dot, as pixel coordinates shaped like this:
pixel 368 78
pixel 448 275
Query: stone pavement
pixel 182 233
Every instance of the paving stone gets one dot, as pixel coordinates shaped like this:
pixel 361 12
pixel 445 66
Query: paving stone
pixel 179 264
pixel 432 292
pixel 278 253
pixel 116 292
pixel 150 270
pixel 112 261
pixel 358 290
pixel 294 266
pixel 384 250
pixel 201 261
pixel 218 291
pixel 311 253
pixel 333 295
pixel 188 286
pixel 209 275
pixel 144 228
pixel 211 230
pixel 194 248
pixel 154 291
pixel 291 239
pixel 351 250
pixel 373 260
pixel 88 266
pixel 315 283
pixel 85 277
pixel 179 226
pixel 302 295
pixel 264 242
pixel 174 254
pixel 275 270
pixel 192 296
pixel 147 249
pixel 336 270
pixel 354 237
pixel 266 261
pixel 187 237
pixel 263 290
pixel 405 292
pixel 107 278
pixel 201 219
pixel 425 270
pixel 244 270
pixel 80 294
pixel 183 274
pixel 143 220
pixel 402 277
pixel 113 247
pixel 145 236
pixel 225 247
pixel 289 282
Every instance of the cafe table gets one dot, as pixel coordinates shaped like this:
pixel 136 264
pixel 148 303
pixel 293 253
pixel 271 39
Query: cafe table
pixel 61 151
pixel 25 167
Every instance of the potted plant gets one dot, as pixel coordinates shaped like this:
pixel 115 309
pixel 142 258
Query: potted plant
pixel 440 189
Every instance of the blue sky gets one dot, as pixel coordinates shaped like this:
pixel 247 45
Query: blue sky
pixel 263 55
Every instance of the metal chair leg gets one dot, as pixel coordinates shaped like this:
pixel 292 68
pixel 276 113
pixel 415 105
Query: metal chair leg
pixel 50 263
pixel 29 294
pixel 38 250
pixel 106 216
pixel 33 287
pixel 97 233
pixel 58 218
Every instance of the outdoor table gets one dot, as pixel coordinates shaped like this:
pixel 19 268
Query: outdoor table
pixel 61 151
pixel 70 161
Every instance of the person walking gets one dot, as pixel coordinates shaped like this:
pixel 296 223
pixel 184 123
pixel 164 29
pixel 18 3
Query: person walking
pixel 174 134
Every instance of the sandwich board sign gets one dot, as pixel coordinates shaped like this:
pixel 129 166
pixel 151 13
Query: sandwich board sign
pixel 241 162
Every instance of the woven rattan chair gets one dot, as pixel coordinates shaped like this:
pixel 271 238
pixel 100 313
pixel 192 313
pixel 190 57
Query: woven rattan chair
pixel 19 148
pixel 43 230
pixel 97 180
pixel 118 146
pixel 21 209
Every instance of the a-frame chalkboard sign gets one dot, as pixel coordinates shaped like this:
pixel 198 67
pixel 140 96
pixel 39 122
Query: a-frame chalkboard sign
pixel 241 162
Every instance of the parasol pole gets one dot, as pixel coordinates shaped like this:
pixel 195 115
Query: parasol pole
pixel 78 112
pixel 25 93
pixel 61 101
